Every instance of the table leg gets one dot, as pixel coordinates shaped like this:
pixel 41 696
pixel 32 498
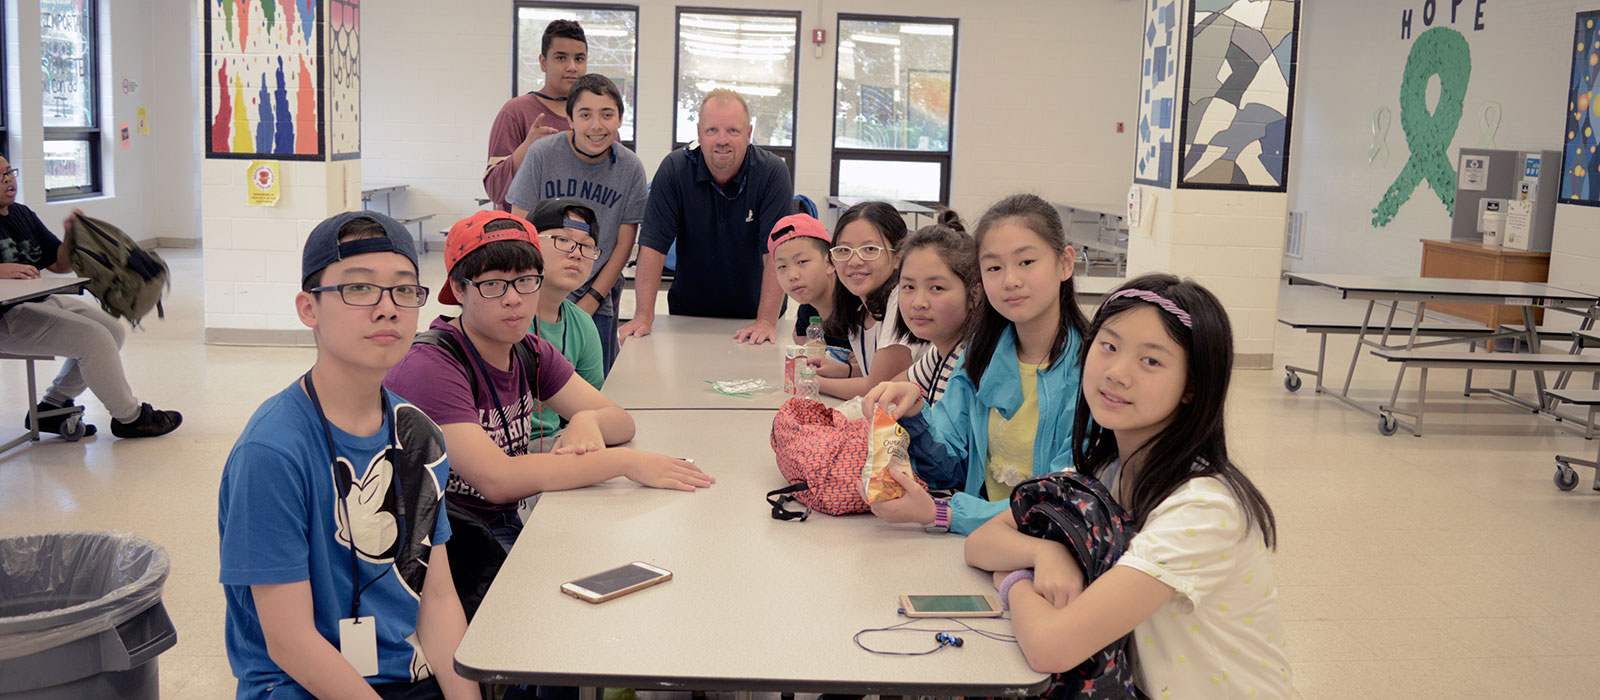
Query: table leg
pixel 1361 338
pixel 1533 347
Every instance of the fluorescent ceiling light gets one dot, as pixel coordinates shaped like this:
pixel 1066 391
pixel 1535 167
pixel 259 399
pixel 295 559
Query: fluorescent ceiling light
pixel 754 90
pixel 876 39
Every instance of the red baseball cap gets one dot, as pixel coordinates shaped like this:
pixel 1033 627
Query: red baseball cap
pixel 797 226
pixel 468 235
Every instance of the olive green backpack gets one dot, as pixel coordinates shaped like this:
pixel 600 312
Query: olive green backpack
pixel 128 280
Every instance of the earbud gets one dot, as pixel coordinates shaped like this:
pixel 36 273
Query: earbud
pixel 945 639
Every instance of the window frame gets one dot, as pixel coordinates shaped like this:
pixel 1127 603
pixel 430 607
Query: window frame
pixel 5 110
pixel 787 153
pixel 944 158
pixel 516 49
pixel 91 134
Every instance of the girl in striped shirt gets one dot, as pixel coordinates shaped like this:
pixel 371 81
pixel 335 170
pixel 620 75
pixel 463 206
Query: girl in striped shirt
pixel 939 292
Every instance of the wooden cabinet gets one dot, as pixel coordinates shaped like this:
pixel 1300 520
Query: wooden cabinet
pixel 1476 261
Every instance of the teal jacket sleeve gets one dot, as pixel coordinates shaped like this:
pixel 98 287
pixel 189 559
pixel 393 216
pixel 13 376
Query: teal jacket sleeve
pixel 969 512
pixel 940 440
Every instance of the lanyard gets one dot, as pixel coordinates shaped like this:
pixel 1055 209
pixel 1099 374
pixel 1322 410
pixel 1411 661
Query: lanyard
pixel 344 485
pixel 552 99
pixel 494 396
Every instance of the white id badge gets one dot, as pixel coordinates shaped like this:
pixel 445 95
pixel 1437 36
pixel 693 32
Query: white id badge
pixel 358 642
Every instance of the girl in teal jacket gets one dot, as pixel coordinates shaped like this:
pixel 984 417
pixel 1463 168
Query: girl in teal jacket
pixel 1007 414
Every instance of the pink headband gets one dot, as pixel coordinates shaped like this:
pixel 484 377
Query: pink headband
pixel 1154 298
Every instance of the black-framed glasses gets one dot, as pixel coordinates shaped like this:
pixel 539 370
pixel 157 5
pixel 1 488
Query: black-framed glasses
pixel 842 253
pixel 10 174
pixel 565 245
pixel 494 289
pixel 408 296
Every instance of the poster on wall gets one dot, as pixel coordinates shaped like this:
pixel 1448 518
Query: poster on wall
pixel 263 80
pixel 1239 94
pixel 1158 95
pixel 344 75
pixel 1578 158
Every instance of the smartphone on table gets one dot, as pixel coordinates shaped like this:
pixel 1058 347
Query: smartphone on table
pixel 620 581
pixel 950 606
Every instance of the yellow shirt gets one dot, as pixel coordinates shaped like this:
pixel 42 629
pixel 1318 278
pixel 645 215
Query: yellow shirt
pixel 1011 441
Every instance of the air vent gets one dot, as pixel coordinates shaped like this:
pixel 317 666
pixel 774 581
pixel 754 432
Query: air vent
pixel 1294 235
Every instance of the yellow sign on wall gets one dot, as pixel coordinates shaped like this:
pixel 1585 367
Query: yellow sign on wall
pixel 263 187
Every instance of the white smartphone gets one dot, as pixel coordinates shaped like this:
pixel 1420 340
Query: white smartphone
pixel 620 581
pixel 950 606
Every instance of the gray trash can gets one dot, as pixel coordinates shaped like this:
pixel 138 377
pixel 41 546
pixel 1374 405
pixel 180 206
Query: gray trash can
pixel 81 616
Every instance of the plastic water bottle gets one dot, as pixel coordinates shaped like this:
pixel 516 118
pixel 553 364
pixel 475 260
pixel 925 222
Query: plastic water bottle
pixel 814 338
pixel 805 380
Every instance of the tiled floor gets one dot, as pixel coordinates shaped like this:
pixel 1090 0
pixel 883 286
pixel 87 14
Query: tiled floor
pixel 1446 566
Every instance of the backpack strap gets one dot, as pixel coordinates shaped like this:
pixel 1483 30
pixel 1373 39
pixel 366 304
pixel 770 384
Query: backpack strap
pixel 525 351
pixel 441 339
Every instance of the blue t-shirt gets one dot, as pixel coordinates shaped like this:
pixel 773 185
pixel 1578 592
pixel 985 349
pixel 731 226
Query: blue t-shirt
pixel 280 522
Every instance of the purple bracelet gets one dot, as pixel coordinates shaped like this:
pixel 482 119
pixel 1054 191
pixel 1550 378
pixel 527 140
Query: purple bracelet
pixel 1011 580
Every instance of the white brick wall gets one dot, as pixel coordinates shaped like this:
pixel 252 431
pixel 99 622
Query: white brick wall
pixel 1040 87
pixel 1352 59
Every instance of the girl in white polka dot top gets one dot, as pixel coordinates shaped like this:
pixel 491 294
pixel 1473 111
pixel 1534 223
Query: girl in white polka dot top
pixel 1195 587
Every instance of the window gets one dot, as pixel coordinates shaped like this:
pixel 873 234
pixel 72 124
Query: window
pixel 894 90
pixel 613 34
pixel 754 53
pixel 68 33
pixel 5 134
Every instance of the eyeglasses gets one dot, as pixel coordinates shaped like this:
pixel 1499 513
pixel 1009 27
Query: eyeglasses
pixel 842 253
pixel 565 245
pixel 409 296
pixel 494 289
pixel 11 174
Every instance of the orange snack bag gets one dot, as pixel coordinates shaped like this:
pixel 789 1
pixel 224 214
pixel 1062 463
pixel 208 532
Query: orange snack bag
pixel 886 449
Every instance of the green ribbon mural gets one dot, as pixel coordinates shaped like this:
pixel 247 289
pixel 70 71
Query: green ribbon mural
pixel 1443 52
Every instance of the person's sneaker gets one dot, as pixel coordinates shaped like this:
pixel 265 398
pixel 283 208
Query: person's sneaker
pixel 52 424
pixel 150 423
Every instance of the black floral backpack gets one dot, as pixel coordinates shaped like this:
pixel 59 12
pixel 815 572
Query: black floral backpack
pixel 1078 511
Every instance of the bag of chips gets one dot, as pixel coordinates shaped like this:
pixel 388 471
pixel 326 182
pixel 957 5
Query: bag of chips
pixel 886 449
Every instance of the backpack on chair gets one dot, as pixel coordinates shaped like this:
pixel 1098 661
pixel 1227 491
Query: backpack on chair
pixel 128 280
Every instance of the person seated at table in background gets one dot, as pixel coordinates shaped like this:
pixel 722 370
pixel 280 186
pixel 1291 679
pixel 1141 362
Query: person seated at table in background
pixel 940 296
pixel 525 119
pixel 588 162
pixel 1007 412
pixel 565 225
pixel 487 397
pixel 1195 586
pixel 799 248
pixel 313 565
pixel 866 302
pixel 68 327
pixel 718 198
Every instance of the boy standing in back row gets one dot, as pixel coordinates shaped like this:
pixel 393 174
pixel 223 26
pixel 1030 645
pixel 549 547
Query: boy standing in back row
pixel 589 164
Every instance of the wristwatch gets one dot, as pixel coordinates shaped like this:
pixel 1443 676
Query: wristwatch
pixel 598 297
pixel 941 517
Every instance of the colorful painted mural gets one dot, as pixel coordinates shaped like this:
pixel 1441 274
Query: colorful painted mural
pixel 1579 182
pixel 344 77
pixel 1239 94
pixel 263 79
pixel 1158 95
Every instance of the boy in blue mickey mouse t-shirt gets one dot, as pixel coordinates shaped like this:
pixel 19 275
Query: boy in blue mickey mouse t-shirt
pixel 332 536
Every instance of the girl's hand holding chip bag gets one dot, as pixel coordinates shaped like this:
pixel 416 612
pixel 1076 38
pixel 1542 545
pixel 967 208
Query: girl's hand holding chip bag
pixel 914 507
pixel 898 399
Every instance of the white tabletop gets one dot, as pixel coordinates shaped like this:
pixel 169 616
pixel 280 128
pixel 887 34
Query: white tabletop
pixel 1445 289
pixel 20 291
pixel 669 367
pixel 754 604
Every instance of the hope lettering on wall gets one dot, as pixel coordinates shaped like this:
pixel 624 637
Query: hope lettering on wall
pixel 1430 10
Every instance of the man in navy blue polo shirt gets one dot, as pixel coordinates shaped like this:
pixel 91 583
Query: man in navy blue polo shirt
pixel 717 198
